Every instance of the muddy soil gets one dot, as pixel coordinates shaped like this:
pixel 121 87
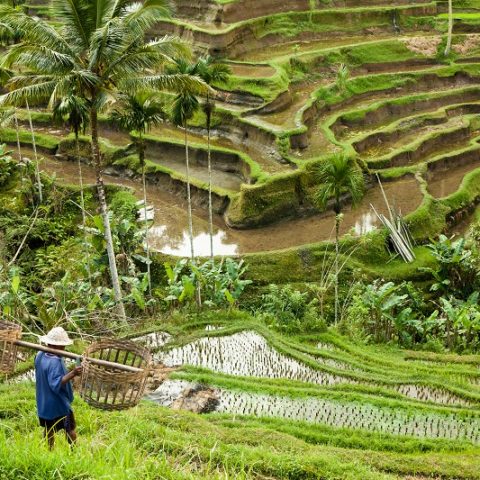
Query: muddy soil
pixel 391 111
pixel 207 11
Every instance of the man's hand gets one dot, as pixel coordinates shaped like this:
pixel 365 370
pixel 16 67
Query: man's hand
pixel 71 375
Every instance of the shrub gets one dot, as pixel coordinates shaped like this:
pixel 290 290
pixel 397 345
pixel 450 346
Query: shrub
pixel 290 310
pixel 220 284
pixel 456 273
pixel 7 166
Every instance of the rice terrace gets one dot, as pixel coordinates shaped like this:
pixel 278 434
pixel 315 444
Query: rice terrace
pixel 240 239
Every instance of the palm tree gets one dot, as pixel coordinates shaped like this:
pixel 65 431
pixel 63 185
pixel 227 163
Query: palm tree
pixel 450 28
pixel 139 113
pixel 184 107
pixel 338 177
pixel 211 72
pixel 74 111
pixel 98 50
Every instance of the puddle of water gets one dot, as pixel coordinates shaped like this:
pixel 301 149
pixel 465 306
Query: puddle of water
pixel 336 414
pixel 160 238
pixel 442 183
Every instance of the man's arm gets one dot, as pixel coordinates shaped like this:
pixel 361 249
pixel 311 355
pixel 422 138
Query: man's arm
pixel 56 377
pixel 71 375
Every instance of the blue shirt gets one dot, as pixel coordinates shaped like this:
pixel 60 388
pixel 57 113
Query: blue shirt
pixel 53 398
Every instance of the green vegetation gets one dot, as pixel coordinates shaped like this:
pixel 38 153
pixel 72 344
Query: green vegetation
pixel 318 360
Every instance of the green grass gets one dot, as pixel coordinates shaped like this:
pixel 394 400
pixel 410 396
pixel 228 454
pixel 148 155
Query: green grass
pixel 151 442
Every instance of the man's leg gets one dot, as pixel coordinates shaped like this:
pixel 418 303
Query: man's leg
pixel 71 436
pixel 50 436
pixel 70 428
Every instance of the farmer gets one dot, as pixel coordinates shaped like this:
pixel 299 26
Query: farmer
pixel 54 391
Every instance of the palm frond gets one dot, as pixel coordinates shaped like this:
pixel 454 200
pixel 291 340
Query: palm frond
pixel 38 58
pixel 76 20
pixel 37 92
pixel 173 83
pixel 6 117
pixel 183 108
pixel 338 176
pixel 141 18
pixel 35 31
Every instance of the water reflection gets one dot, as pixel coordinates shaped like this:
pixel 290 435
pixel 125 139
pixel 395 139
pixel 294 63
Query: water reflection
pixel 158 240
pixel 366 223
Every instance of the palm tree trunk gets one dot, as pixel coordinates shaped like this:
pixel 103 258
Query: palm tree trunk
pixel 34 145
pixel 450 28
pixel 141 154
pixel 209 162
pixel 190 217
pixel 189 197
pixel 18 136
pixel 337 235
pixel 82 205
pixel 104 213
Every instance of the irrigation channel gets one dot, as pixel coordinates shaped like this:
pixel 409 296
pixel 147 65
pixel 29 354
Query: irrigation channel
pixel 169 233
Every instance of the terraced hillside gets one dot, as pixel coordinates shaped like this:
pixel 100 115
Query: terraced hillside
pixel 311 78
pixel 408 113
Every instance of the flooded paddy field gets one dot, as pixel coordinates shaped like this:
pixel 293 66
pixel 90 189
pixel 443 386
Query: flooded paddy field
pixel 169 232
pixel 248 354
pixel 338 414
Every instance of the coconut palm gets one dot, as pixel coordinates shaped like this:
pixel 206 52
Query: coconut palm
pixel 139 113
pixel 450 28
pixel 338 177
pixel 97 51
pixel 74 111
pixel 211 73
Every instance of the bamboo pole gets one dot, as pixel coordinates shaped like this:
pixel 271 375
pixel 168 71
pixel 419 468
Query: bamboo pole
pixel 75 356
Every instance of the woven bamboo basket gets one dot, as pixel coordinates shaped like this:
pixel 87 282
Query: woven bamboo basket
pixel 9 333
pixel 110 388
